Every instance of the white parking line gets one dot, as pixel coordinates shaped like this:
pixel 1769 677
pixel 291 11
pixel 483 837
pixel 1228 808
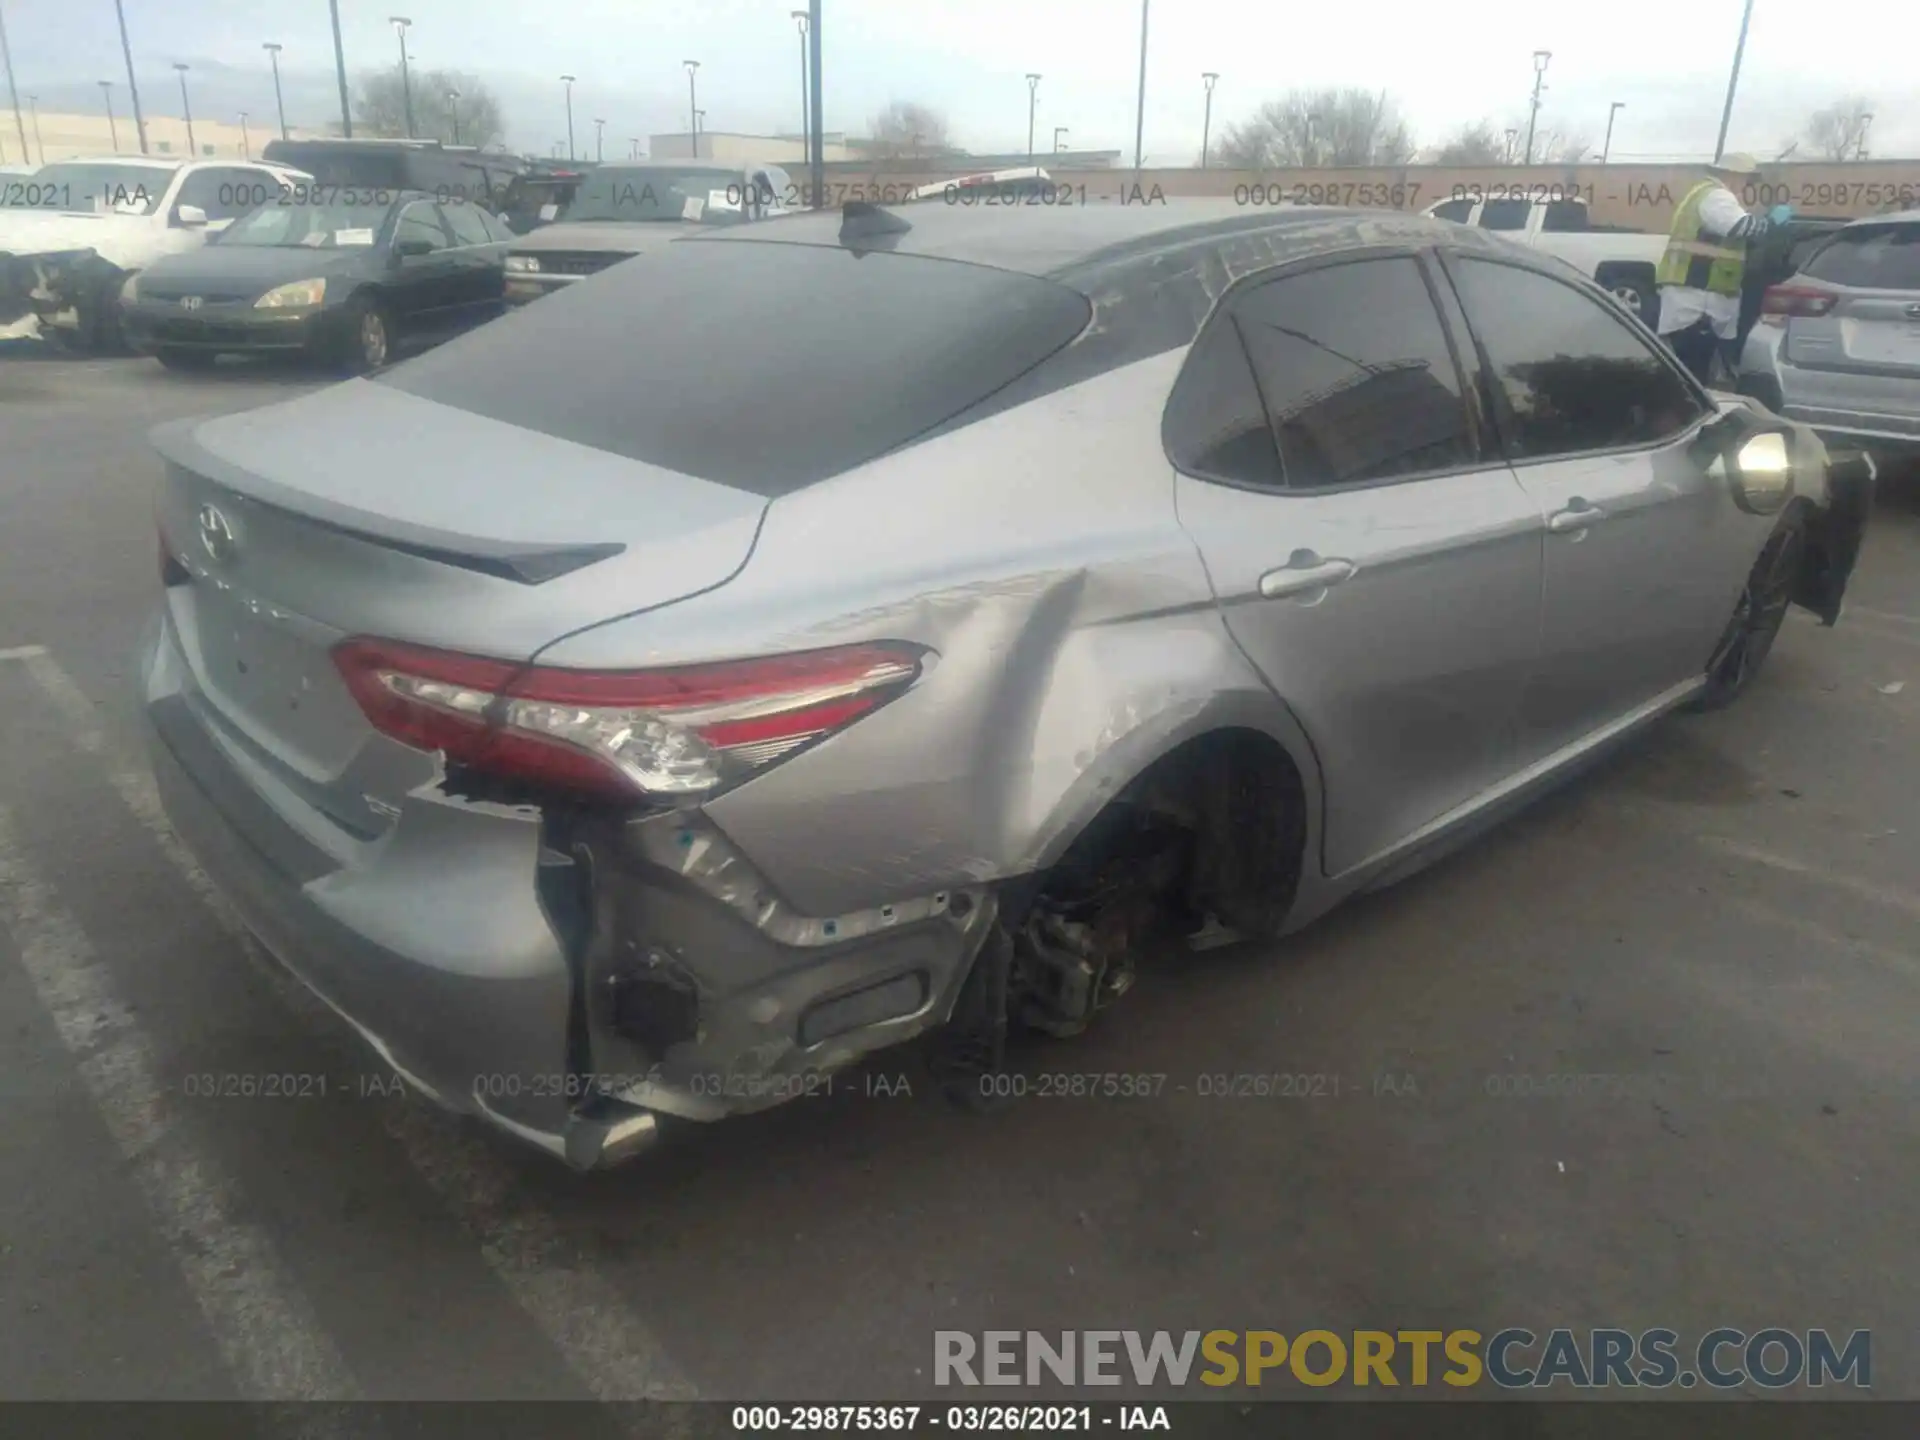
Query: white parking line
pixel 1907 963
pixel 265 1329
pixel 580 1312
pixel 1878 894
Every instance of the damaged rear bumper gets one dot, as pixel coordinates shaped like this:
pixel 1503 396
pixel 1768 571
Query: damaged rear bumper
pixel 50 285
pixel 571 984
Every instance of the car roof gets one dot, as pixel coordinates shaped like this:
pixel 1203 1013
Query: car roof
pixel 1898 217
pixel 1074 243
pixel 156 162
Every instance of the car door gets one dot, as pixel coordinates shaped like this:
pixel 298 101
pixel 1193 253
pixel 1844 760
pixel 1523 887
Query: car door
pixel 1372 559
pixel 1853 330
pixel 423 289
pixel 1645 552
pixel 481 263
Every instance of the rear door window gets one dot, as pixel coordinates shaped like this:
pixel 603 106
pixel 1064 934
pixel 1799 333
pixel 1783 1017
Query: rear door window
pixel 1505 214
pixel 764 366
pixel 1456 210
pixel 1870 257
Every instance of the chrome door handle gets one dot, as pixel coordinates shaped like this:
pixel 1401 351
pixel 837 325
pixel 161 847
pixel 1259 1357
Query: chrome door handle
pixel 1576 518
pixel 1291 581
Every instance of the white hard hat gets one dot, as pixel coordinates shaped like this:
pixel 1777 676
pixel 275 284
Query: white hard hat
pixel 1738 163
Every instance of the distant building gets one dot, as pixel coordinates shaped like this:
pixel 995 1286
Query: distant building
pixel 71 137
pixel 729 147
pixel 860 153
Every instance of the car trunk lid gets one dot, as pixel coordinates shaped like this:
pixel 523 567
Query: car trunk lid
pixel 363 510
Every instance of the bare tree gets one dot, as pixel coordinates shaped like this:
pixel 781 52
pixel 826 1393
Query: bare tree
pixel 907 127
pixel 1836 131
pixel 381 108
pixel 1476 144
pixel 1320 127
pixel 1566 150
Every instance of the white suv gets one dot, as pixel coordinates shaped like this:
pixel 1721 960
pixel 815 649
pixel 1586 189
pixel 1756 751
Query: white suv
pixel 73 231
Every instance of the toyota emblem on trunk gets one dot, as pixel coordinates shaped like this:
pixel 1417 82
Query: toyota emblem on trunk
pixel 190 302
pixel 216 534
pixel 1914 311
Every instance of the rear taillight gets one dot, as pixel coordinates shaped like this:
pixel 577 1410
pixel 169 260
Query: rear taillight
pixel 684 731
pixel 1782 302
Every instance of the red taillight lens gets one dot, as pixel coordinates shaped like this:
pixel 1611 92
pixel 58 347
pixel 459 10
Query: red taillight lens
pixel 1797 300
pixel 686 731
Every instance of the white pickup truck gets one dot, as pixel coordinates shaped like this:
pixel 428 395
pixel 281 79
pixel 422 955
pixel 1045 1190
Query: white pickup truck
pixel 1620 260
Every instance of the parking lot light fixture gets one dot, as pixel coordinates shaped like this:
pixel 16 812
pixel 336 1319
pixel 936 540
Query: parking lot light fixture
pixel 453 113
pixel 567 80
pixel 400 24
pixel 1733 82
pixel 1860 151
pixel 1058 131
pixel 246 142
pixel 113 130
pixel 1207 78
pixel 806 122
pixel 1540 59
pixel 185 108
pixel 1612 110
pixel 1140 106
pixel 1033 94
pixel 6 53
pixel 599 140
pixel 693 107
pixel 279 103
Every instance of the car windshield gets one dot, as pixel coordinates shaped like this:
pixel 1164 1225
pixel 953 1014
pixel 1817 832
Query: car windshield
pixel 656 194
pixel 79 187
pixel 1871 257
pixel 319 227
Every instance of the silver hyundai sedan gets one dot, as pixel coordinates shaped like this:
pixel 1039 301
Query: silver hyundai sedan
pixel 888 624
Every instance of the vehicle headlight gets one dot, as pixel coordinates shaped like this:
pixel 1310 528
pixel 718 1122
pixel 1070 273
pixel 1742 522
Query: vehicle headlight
pixel 290 297
pixel 526 264
pixel 130 291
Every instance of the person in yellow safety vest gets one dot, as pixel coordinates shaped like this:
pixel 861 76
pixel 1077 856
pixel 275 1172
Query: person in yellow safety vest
pixel 1705 262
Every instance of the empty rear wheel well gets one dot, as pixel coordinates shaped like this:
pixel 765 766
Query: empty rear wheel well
pixel 1236 799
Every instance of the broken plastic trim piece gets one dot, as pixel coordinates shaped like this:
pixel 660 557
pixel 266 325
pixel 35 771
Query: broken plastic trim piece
pixel 865 226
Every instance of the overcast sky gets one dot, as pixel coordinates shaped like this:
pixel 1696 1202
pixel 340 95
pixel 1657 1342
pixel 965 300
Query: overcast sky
pixel 1446 64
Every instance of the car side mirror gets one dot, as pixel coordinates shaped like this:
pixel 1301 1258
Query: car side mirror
pixel 1757 456
pixel 190 217
pixel 408 249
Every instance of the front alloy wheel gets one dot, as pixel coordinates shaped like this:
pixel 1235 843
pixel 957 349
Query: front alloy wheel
pixel 1757 617
pixel 373 338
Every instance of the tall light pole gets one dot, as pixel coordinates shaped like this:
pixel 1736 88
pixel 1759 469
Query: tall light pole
pixel 700 125
pixel 806 121
pixel 186 109
pixel 1540 59
pixel 1140 109
pixel 1859 153
pixel 1606 148
pixel 634 142
pixel 279 104
pixel 246 141
pixel 567 80
pixel 133 87
pixel 400 24
pixel 817 160
pixel 693 107
pixel 1733 80
pixel 339 69
pixel 1207 78
pixel 599 141
pixel 106 94
pixel 1033 100
pixel 6 53
pixel 1058 131
pixel 33 109
pixel 453 113
pixel 1513 139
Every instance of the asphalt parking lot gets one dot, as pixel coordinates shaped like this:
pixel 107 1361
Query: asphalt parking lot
pixel 1723 920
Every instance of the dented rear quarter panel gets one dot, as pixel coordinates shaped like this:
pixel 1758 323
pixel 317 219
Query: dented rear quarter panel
pixel 1075 638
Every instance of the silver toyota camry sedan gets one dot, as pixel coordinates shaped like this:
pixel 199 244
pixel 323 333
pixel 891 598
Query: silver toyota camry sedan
pixel 886 624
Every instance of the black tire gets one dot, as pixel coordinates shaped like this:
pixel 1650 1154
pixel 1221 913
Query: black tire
pixel 177 359
pixel 1756 619
pixel 98 330
pixel 359 352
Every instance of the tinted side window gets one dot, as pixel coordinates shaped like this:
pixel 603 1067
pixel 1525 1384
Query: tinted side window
pixel 223 194
pixel 1575 376
pixel 1356 375
pixel 1215 424
pixel 467 222
pixel 1456 210
pixel 1564 216
pixel 1505 215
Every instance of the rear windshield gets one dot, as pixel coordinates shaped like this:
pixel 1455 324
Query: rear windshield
pixel 1871 257
pixel 334 166
pixel 761 366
